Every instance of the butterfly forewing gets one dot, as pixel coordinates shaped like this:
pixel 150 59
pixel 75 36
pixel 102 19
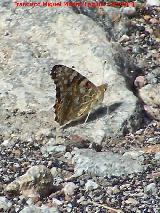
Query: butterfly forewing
pixel 75 94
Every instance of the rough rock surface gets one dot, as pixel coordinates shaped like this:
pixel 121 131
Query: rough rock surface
pixel 150 94
pixel 5 204
pixel 105 163
pixel 27 59
pixel 36 183
pixel 35 209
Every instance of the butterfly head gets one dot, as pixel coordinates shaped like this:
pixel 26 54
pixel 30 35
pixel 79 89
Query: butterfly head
pixel 100 95
pixel 103 87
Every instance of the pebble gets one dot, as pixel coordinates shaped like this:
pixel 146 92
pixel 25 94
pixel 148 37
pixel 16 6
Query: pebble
pixel 157 156
pixel 34 209
pixel 56 202
pixel 53 149
pixel 131 201
pixel 151 189
pixel 5 204
pixel 124 38
pixel 140 81
pixel 69 190
pixel 54 171
pixel 8 143
pixel 91 185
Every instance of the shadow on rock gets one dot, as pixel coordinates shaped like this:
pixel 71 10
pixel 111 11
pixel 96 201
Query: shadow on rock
pixel 98 113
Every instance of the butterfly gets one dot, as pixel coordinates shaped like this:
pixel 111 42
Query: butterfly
pixel 76 96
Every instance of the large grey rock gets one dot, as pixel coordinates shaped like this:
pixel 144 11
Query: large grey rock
pixel 32 41
pixel 105 163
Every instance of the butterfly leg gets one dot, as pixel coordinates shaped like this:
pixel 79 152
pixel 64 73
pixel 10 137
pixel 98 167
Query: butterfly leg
pixel 87 117
pixel 107 110
pixel 58 139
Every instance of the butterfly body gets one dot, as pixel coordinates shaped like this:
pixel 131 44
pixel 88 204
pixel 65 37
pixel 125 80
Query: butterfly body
pixel 76 96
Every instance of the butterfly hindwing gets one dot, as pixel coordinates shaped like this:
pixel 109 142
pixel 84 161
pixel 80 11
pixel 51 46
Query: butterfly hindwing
pixel 75 94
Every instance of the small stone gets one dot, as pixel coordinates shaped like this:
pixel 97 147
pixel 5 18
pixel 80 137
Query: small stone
pixel 56 202
pixel 124 38
pixel 69 190
pixel 131 201
pixel 137 49
pixel 43 209
pixel 81 199
pixel 49 164
pixel 157 156
pixel 54 171
pixel 153 21
pixel 68 155
pixel 146 17
pixel 50 148
pixel 91 185
pixel 5 204
pixel 151 189
pixel 140 81
pixel 29 202
pixel 8 143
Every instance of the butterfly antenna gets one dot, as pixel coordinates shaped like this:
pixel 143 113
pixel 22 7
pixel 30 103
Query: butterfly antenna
pixel 103 72
pixel 103 83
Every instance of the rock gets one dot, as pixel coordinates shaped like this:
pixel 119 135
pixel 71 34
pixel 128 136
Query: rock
pixel 157 156
pixel 90 185
pixel 154 21
pixel 69 190
pixel 129 11
pixel 36 183
pixel 52 148
pixel 150 94
pixel 124 38
pixel 113 190
pixel 151 189
pixel 26 84
pixel 153 77
pixel 135 155
pixel 68 155
pixel 8 143
pixel 105 163
pixel 153 2
pixel 140 81
pixel 43 209
pixel 56 202
pixel 5 204
pixel 46 132
pixel 54 171
pixel 131 201
pixel 153 112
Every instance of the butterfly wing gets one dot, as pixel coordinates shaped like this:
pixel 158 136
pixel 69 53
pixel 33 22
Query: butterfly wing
pixel 75 94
